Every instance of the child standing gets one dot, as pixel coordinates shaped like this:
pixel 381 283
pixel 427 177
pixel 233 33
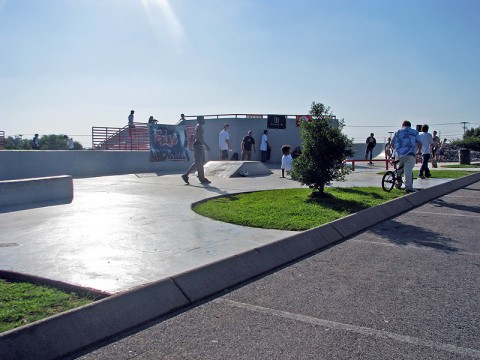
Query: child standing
pixel 286 160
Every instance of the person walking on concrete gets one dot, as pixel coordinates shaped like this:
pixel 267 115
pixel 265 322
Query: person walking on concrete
pixel 264 145
pixel 199 153
pixel 427 144
pixel 405 142
pixel 224 142
pixel 35 143
pixel 248 143
pixel 371 143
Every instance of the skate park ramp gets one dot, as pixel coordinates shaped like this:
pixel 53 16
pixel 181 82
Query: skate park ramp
pixel 228 169
pixel 359 151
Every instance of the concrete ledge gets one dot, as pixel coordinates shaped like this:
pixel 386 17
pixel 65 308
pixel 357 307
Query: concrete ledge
pixel 36 190
pixel 361 220
pixel 218 276
pixel 64 333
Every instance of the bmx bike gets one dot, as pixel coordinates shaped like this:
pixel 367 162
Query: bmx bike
pixel 392 178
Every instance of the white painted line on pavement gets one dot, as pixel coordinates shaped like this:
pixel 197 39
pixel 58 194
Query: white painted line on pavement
pixel 353 328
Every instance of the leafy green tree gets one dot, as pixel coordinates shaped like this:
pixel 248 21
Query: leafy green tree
pixel 324 150
pixel 471 140
pixel 17 142
pixel 46 142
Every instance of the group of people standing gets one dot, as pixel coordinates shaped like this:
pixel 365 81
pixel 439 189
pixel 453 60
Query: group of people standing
pixel 247 145
pixel 225 145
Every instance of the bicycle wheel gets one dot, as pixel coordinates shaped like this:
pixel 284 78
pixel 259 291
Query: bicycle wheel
pixel 388 180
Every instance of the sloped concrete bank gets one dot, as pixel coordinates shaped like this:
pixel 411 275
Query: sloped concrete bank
pixel 62 334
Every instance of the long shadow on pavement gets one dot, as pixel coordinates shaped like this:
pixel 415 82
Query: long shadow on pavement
pixel 405 234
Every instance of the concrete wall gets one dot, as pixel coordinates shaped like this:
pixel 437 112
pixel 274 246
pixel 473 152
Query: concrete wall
pixel 239 128
pixel 17 164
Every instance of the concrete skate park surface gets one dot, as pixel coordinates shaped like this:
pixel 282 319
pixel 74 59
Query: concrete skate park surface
pixel 135 235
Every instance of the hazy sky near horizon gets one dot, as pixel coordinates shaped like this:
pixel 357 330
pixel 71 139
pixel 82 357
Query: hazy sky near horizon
pixel 68 65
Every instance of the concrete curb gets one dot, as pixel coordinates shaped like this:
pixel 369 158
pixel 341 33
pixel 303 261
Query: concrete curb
pixel 36 190
pixel 70 331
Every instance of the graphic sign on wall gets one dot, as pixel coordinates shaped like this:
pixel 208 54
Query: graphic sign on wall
pixel 276 121
pixel 168 142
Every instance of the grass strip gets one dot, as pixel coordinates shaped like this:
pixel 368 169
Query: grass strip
pixel 441 174
pixel 23 303
pixel 292 209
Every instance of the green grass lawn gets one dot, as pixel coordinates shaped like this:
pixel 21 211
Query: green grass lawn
pixel 471 166
pixel 23 303
pixel 442 174
pixel 292 209
pixel 445 174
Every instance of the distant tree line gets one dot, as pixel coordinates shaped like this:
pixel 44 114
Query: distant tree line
pixel 46 142
pixel 471 140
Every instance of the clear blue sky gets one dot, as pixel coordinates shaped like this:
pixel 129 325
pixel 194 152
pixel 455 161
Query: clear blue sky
pixel 68 65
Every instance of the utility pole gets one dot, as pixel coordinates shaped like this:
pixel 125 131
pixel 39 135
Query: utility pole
pixel 464 125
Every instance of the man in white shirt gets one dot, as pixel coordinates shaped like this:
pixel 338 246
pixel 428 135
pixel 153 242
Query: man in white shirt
pixel 224 141
pixel 264 145
pixel 427 143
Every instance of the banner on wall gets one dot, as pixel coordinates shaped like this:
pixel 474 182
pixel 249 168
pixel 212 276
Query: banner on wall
pixel 168 142
pixel 276 121
pixel 300 118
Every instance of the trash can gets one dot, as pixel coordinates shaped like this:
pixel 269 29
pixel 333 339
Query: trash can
pixel 464 156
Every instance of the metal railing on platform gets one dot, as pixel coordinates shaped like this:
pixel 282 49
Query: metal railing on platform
pixel 126 138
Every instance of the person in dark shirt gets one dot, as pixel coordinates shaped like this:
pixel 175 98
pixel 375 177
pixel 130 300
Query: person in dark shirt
pixel 371 143
pixel 248 143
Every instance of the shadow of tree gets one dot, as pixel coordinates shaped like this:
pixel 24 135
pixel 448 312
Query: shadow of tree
pixel 467 208
pixel 405 234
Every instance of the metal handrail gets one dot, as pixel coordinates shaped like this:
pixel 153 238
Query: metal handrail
pixel 126 138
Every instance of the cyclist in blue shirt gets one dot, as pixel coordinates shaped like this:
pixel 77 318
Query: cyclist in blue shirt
pixel 405 142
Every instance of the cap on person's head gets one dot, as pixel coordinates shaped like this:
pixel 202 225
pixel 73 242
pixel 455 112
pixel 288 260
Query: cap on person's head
pixel 226 125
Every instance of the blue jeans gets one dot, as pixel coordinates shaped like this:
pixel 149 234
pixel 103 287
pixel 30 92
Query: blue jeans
pixel 369 152
pixel 424 168
pixel 264 155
